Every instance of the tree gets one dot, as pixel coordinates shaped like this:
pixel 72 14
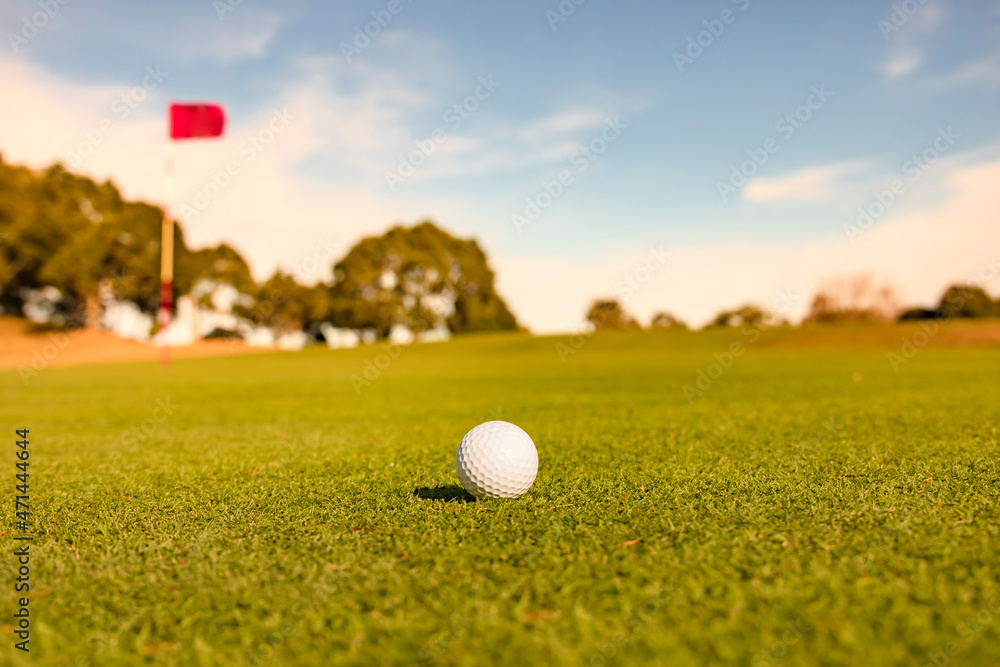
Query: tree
pixel 419 277
pixel 664 320
pixel 852 299
pixel 285 305
pixel 69 232
pixel 610 315
pixel 918 313
pixel 967 301
pixel 748 314
pixel 79 236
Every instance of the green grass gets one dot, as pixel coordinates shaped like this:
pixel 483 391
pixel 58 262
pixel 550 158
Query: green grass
pixel 278 517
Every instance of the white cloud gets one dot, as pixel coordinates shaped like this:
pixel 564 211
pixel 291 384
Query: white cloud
pixel 905 56
pixel 560 123
pixel 902 62
pixel 810 184
pixel 983 72
pixel 243 34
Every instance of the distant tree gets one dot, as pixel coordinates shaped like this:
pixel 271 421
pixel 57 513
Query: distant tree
pixel 132 255
pixel 663 320
pixel 419 277
pixel 41 214
pixel 66 231
pixel 749 314
pixel 284 305
pixel 79 236
pixel 222 264
pixel 852 299
pixel 610 315
pixel 911 314
pixel 967 301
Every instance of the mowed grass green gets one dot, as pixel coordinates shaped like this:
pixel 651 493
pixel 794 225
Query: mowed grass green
pixel 812 507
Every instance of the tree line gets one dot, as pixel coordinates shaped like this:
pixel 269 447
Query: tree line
pixel 854 299
pixel 64 231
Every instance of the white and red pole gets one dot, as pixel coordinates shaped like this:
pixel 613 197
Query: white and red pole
pixel 167 254
pixel 185 121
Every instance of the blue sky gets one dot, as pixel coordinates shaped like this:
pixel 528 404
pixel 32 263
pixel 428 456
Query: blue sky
pixel 656 183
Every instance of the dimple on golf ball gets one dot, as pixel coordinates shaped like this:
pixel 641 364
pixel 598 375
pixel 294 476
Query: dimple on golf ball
pixel 496 460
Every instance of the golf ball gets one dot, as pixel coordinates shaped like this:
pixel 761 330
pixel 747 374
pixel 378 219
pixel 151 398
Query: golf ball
pixel 496 460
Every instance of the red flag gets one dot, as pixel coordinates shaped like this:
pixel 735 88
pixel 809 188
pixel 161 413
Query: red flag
pixel 190 121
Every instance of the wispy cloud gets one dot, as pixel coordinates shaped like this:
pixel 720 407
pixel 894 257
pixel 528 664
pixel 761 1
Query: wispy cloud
pixel 806 185
pixel 906 55
pixel 246 34
pixel 902 62
pixel 983 72
pixel 560 123
pixel 496 148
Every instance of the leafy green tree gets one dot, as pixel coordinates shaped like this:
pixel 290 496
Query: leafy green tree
pixel 284 305
pixel 69 232
pixel 132 255
pixel 967 301
pixel 852 299
pixel 54 240
pixel 664 320
pixel 418 277
pixel 222 264
pixel 610 315
pixel 918 313
pixel 748 314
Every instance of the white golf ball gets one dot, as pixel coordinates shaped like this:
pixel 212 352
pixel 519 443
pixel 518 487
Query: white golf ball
pixel 496 460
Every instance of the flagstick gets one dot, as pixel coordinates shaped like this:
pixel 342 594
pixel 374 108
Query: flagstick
pixel 167 255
